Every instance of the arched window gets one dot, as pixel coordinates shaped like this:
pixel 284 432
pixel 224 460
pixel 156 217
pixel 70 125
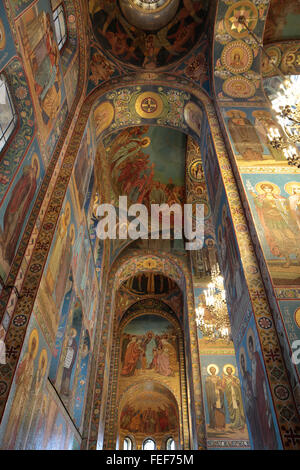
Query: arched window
pixel 149 444
pixel 8 115
pixel 127 444
pixel 170 445
pixel 60 25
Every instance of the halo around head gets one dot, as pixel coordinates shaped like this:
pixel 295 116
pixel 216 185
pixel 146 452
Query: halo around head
pixel 259 187
pixel 147 141
pixel 236 113
pixel 212 365
pixel 72 234
pixel 250 334
pixel 35 159
pixel 242 353
pixel 67 213
pixel 225 369
pixel 44 356
pixel 33 335
pixel 290 186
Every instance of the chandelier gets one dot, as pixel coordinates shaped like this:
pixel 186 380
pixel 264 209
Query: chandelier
pixel 217 326
pixel 287 108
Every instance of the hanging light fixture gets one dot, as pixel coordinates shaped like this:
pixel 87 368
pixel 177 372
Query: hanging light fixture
pixel 218 325
pixel 286 105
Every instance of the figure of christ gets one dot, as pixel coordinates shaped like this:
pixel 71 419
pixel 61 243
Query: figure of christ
pixel 142 361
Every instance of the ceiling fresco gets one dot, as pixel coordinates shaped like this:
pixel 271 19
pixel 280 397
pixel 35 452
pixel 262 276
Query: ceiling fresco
pixel 129 33
pixel 236 53
pixel 151 409
pixel 149 284
pixel 147 164
pixel 284 55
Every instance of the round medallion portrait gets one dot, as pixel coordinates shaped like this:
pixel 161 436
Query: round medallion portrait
pixel 195 170
pixel 239 87
pixel 268 64
pixel 297 317
pixel 237 57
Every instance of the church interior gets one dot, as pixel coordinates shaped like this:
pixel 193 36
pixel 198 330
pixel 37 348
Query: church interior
pixel 131 344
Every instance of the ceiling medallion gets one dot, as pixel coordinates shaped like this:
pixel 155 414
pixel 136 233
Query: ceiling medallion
pixel 239 87
pixel 237 57
pixel 149 105
pixel 232 23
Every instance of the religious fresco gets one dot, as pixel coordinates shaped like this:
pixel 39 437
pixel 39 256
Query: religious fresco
pixel 274 201
pixel 65 379
pixel 149 383
pixel 72 303
pixel 282 21
pixel 130 106
pixel 149 284
pixel 34 418
pixel 229 258
pixel 7 47
pixel 14 154
pixel 149 409
pixel 70 47
pixel 17 205
pixel 101 69
pixel 247 130
pixel 149 349
pixel 27 390
pixel 24 155
pixel 258 406
pixel 71 81
pixel 131 45
pixel 90 207
pixel 53 429
pixel 225 418
pixel 54 282
pixel 41 254
pixel 167 293
pixel 236 54
pixel 147 164
pixel 204 259
pixel 75 334
pixel 83 166
pixel 36 35
pixel 283 55
pixel 291 313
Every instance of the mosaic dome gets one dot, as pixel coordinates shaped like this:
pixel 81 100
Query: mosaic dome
pixel 148 33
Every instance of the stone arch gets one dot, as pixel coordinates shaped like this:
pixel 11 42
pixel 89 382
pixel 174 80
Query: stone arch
pixel 40 248
pixel 125 264
pixel 158 306
pixel 131 392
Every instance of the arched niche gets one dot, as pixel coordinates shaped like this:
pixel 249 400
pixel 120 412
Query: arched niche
pixel 149 410
pixel 148 347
